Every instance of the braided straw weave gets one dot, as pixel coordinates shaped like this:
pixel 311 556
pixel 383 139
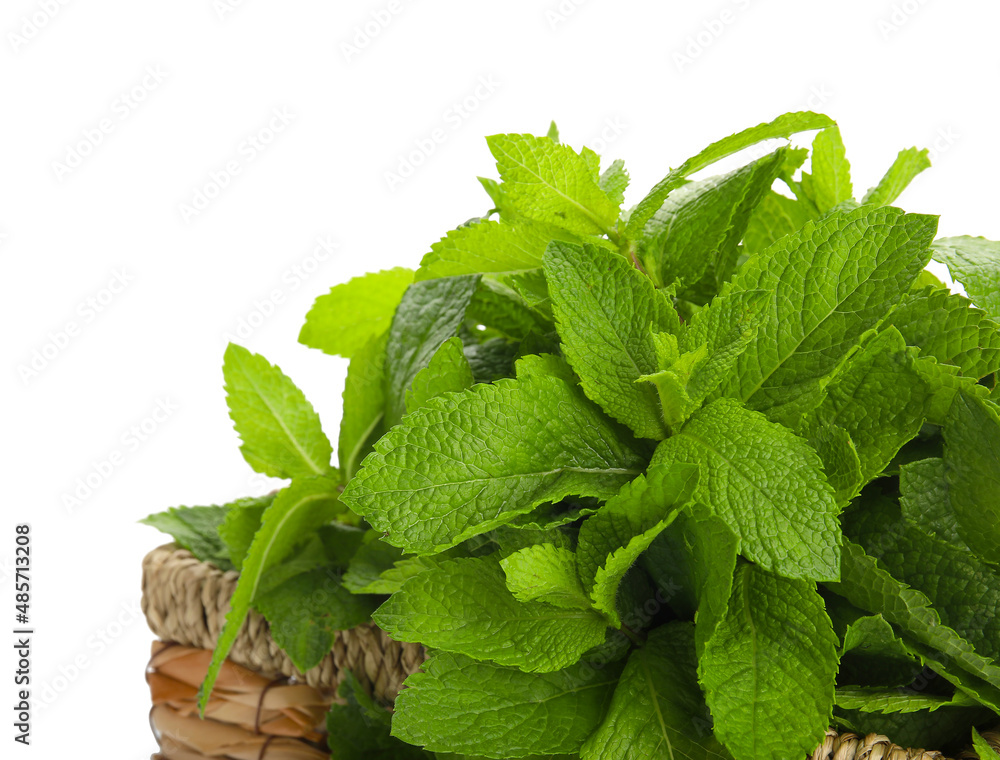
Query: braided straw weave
pixel 186 601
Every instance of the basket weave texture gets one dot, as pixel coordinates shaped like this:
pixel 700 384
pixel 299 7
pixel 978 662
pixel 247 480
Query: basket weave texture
pixel 186 601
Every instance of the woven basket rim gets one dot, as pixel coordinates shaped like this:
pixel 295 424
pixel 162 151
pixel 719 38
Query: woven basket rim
pixel 185 600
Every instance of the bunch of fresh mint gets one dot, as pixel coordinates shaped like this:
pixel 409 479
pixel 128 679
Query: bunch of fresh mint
pixel 699 479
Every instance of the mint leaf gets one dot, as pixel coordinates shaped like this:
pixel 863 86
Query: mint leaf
pixel 841 463
pixel 775 217
pixel 657 712
pixel 549 182
pixel 195 529
pixel 363 421
pixel 447 372
pixel 986 750
pixel 500 309
pixel 885 701
pixel 306 611
pixel 869 586
pixel 469 462
pixel 486 247
pixel 908 164
pixel 830 181
pixel 693 238
pixel 358 728
pixel 459 705
pixel 946 326
pixel 612 540
pixel 766 483
pixel 878 400
pixel 303 506
pixel 605 309
pixel 972 467
pixel 783 126
pixel 614 181
pixel 545 573
pixel 350 315
pixel 281 432
pixel 974 262
pixel 832 281
pixel 431 312
pixel 925 500
pixel 463 606
pixel 769 668
pixel 241 522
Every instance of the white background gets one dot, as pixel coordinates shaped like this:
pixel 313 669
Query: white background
pixel 650 82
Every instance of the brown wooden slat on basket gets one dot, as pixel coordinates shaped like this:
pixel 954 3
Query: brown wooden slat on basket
pixel 188 737
pixel 186 601
pixel 240 697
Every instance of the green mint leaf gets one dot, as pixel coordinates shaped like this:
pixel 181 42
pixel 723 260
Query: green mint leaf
pixel 830 181
pixel 885 701
pixel 460 705
pixel 775 216
pixel 350 315
pixel 545 573
pixel 691 564
pixel 946 326
pixel 986 750
pixel 657 712
pixel 281 432
pixel 303 506
pixel 604 311
pixel 693 238
pixel 612 540
pixel 963 589
pixel 766 483
pixel 974 262
pixel 470 462
pixel 614 181
pixel 866 584
pixel 492 360
pixel 925 500
pixel 447 372
pixel 306 611
pixel 878 399
pixel 240 524
pixel 363 421
pixel 769 668
pixel 358 728
pixel 464 606
pixel 548 182
pixel 487 247
pixel 908 164
pixel 783 126
pixel 832 281
pixel 197 530
pixel 841 462
pixel 431 312
pixel 972 467
pixel 500 309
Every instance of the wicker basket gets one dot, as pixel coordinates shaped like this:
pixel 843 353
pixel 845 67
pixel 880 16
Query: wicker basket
pixel 263 708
